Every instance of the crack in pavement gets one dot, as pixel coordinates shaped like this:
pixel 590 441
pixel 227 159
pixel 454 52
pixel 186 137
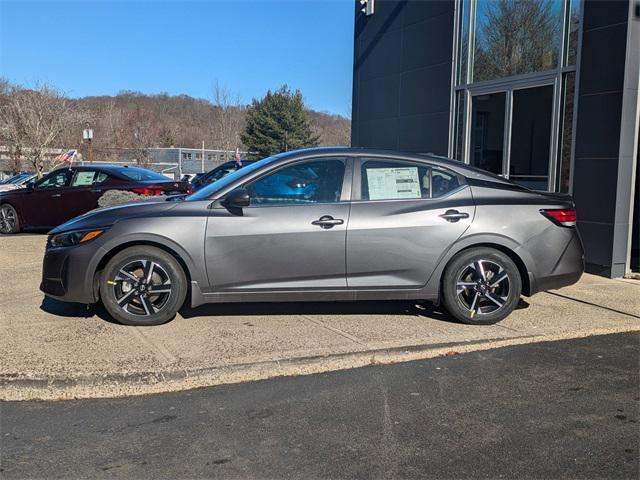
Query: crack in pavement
pixel 335 330
pixel 162 353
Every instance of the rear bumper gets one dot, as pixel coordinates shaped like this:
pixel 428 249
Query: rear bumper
pixel 567 270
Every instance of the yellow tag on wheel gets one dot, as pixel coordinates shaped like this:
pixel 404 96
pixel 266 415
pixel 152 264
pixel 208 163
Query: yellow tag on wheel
pixel 111 282
pixel 473 314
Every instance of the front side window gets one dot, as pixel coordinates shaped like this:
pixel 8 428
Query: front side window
pixel 395 180
pixel 61 178
pixel 316 181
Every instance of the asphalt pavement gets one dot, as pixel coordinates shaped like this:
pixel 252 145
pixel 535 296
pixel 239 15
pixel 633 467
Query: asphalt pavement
pixel 565 409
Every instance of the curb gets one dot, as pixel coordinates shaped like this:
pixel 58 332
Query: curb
pixel 16 388
pixel 150 378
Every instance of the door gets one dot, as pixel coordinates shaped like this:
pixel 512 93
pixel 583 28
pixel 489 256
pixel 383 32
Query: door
pixel 292 236
pixel 44 206
pixel 511 134
pixel 487 132
pixel 404 217
pixel 83 193
pixel 531 136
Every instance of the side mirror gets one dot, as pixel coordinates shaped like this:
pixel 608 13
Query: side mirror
pixel 238 198
pixel 30 184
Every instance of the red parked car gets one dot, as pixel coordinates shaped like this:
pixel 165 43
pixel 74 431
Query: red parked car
pixel 68 192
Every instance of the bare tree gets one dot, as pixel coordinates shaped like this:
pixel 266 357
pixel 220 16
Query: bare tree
pixel 229 117
pixel 32 121
pixel 138 127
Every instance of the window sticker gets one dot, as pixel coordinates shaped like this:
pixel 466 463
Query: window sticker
pixel 390 183
pixel 83 178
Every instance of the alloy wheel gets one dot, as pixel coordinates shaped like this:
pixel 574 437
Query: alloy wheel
pixel 142 287
pixel 482 287
pixel 7 219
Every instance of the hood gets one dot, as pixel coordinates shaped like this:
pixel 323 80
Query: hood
pixel 103 217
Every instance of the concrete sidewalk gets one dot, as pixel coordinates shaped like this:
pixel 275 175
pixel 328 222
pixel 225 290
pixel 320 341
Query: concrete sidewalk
pixel 56 350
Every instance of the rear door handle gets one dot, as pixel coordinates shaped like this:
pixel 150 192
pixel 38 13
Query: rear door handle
pixel 453 215
pixel 327 221
pixel 56 195
pixel 96 190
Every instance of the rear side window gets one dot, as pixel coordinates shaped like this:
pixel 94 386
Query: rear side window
pixel 396 180
pixel 87 178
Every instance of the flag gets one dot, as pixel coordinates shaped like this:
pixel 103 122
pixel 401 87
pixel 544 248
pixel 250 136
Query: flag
pixel 67 156
pixel 237 158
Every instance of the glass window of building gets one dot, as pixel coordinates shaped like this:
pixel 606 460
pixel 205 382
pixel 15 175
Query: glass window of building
pixel 514 37
pixel 572 30
pixel 566 132
pixel 463 44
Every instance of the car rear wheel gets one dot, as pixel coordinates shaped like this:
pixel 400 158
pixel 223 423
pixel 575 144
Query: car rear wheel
pixel 143 285
pixel 481 286
pixel 9 221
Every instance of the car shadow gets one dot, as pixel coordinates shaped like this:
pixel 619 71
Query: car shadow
pixel 67 309
pixel 387 307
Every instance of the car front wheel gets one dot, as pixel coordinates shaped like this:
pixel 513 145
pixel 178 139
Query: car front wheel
pixel 9 221
pixel 481 286
pixel 143 285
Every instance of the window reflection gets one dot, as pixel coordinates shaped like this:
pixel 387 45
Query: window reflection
pixel 566 132
pixel 459 125
pixel 572 36
pixel 514 37
pixel 463 47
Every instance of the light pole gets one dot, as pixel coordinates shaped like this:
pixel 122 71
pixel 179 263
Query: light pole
pixel 87 136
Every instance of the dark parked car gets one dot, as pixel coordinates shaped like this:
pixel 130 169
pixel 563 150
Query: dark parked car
pixel 323 224
pixel 68 192
pixel 204 179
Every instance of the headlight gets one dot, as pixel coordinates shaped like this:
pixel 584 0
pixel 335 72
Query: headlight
pixel 68 239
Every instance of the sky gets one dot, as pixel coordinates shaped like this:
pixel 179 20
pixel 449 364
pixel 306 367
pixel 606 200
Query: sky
pixel 96 47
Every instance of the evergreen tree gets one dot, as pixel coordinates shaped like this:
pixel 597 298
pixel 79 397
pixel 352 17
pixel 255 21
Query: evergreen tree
pixel 277 123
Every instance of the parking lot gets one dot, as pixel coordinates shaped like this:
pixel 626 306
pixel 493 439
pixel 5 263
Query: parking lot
pixel 56 350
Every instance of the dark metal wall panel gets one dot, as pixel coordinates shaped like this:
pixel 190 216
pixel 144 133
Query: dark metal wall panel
pixel 402 75
pixel 596 174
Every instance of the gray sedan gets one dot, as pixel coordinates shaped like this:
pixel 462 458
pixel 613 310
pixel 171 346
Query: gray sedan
pixel 329 224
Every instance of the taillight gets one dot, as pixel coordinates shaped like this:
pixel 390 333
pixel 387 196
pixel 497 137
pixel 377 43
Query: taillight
pixel 565 217
pixel 148 191
pixel 190 190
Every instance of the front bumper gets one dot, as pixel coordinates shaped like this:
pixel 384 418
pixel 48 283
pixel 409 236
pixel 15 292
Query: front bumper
pixel 64 274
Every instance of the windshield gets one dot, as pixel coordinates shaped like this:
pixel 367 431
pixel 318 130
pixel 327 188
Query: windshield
pixel 141 174
pixel 207 191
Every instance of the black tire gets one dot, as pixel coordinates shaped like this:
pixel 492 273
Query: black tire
pixel 133 303
pixel 475 299
pixel 9 219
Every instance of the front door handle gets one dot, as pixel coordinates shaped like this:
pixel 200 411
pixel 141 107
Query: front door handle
pixel 327 221
pixel 56 195
pixel 96 190
pixel 453 215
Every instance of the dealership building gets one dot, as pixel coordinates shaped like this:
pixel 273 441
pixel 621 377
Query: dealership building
pixel 544 92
